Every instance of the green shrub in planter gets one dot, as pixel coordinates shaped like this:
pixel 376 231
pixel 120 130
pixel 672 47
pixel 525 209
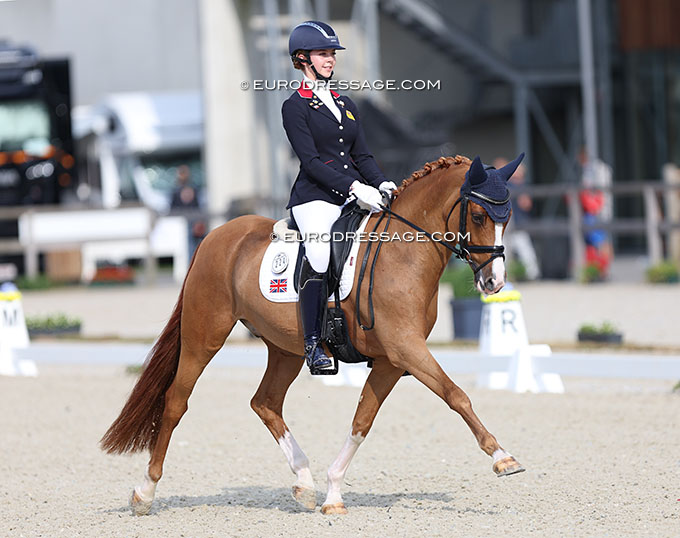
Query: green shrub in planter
pixel 40 282
pixel 466 306
pixel 591 273
pixel 54 324
pixel 462 280
pixel 663 273
pixel 605 333
pixel 516 271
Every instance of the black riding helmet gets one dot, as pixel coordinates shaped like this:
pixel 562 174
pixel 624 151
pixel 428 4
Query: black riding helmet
pixel 313 35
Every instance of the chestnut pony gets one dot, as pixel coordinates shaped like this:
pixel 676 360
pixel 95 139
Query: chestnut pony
pixel 221 288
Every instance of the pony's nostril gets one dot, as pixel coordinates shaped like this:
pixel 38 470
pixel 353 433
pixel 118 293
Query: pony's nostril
pixel 490 284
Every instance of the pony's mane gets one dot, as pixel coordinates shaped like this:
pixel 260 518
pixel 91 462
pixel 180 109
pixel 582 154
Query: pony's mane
pixel 428 168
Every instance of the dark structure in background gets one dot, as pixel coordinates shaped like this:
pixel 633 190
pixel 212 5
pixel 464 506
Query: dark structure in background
pixel 36 145
pixel 37 164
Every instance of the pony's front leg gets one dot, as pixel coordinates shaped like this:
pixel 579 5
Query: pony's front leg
pixel 418 360
pixel 380 382
pixel 282 369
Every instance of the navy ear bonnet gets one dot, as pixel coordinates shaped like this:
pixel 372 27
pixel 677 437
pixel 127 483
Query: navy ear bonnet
pixel 488 187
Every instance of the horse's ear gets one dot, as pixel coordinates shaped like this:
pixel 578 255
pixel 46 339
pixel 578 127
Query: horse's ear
pixel 509 169
pixel 477 174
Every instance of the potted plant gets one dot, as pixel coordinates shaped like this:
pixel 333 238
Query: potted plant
pixel 517 272
pixel 604 334
pixel 591 273
pixel 467 308
pixel 663 273
pixel 53 325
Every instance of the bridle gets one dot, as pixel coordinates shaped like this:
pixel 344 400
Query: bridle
pixel 461 249
pixel 464 250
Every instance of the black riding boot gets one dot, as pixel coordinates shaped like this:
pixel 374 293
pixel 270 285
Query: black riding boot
pixel 311 292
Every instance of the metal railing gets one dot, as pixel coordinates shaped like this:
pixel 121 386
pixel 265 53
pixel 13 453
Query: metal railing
pixel 656 223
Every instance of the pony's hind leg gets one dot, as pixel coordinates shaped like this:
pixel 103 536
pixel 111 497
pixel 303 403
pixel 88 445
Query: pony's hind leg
pixel 418 360
pixel 282 369
pixel 201 338
pixel 379 384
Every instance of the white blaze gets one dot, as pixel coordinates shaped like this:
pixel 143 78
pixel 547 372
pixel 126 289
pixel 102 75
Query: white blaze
pixel 498 265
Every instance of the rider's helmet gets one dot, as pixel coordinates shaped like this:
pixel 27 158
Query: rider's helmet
pixel 312 35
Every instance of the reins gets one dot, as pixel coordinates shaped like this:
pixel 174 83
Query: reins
pixel 461 249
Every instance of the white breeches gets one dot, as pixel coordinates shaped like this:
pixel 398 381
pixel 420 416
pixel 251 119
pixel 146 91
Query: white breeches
pixel 315 219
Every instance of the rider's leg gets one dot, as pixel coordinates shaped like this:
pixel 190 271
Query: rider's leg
pixel 314 219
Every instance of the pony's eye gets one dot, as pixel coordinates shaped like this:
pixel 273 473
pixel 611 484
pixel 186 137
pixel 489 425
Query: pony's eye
pixel 478 218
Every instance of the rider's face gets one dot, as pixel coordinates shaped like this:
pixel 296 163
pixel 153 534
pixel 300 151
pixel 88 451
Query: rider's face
pixel 323 61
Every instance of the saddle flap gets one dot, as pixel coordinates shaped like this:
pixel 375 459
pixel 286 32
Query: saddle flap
pixel 348 222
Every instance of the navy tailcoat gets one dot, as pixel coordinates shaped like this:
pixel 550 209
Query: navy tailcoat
pixel 333 154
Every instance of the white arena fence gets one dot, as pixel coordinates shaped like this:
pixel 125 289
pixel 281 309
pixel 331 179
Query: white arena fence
pixel 453 361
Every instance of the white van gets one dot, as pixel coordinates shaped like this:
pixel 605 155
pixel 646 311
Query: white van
pixel 131 144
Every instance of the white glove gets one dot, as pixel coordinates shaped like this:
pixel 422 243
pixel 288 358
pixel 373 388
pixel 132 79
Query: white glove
pixel 370 196
pixel 388 187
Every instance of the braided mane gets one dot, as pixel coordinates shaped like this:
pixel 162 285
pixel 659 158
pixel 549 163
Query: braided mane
pixel 442 162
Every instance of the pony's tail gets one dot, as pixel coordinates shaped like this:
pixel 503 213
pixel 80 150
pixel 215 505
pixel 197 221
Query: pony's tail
pixel 138 424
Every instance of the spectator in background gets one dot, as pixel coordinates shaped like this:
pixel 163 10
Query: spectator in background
pixel 184 194
pixel 596 203
pixel 518 242
pixel 185 200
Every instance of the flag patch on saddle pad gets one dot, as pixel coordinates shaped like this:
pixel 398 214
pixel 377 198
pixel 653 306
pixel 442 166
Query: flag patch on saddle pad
pixel 278 285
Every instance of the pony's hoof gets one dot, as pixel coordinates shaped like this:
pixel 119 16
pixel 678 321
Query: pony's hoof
pixel 139 506
pixel 507 466
pixel 305 497
pixel 334 509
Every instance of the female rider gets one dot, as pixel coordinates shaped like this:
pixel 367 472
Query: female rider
pixel 325 132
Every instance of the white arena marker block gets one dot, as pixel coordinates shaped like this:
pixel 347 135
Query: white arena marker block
pixel 503 330
pixel 13 334
pixel 503 334
pixel 349 375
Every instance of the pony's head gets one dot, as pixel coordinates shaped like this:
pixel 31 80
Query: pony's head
pixel 484 213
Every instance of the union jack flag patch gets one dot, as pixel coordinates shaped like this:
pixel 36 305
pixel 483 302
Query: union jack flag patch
pixel 278 285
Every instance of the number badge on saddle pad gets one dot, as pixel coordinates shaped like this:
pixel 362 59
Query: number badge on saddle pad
pixel 279 263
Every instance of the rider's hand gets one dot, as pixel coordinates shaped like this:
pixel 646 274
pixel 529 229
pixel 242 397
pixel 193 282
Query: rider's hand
pixel 367 194
pixel 387 187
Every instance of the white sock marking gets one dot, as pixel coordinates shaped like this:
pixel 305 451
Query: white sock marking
pixel 337 470
pixel 297 460
pixel 147 491
pixel 499 454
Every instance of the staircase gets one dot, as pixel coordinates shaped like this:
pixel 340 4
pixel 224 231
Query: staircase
pixel 461 48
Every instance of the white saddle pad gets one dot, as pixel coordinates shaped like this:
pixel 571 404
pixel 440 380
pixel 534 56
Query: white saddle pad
pixel 278 267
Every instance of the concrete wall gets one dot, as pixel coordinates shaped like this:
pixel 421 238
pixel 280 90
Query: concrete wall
pixel 125 45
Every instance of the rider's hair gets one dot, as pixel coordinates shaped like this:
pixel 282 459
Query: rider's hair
pixel 297 64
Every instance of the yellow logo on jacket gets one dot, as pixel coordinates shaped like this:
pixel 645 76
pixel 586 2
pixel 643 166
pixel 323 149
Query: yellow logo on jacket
pixel 350 115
